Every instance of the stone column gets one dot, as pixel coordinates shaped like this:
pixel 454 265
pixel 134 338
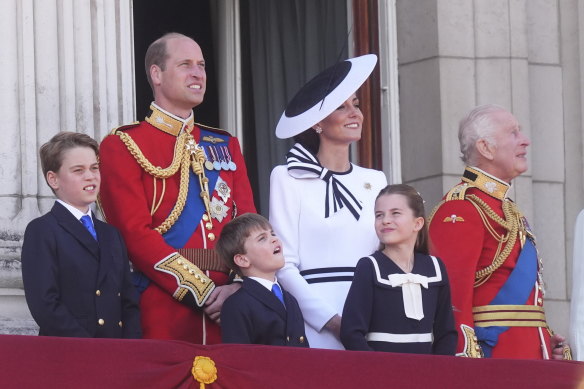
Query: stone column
pixel 69 67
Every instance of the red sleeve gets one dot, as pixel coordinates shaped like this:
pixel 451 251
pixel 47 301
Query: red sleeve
pixel 125 206
pixel 456 236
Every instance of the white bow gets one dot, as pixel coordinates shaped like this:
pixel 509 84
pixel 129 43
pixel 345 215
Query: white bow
pixel 302 164
pixel 411 292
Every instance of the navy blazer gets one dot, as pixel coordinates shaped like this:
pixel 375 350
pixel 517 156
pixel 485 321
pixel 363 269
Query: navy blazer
pixel 253 315
pixel 75 286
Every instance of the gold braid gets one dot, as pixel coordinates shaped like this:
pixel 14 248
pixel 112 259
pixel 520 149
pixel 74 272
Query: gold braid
pixel 512 223
pixel 158 172
pixel 181 199
pixel 187 154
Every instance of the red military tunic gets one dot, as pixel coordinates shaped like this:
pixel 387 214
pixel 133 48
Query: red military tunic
pixel 468 231
pixel 136 197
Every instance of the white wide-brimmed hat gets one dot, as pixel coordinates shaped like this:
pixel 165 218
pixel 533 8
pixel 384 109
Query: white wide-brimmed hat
pixel 320 96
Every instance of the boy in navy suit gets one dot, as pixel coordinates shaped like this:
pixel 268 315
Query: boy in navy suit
pixel 260 312
pixel 74 267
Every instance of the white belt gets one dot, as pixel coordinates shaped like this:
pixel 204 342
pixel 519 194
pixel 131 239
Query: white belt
pixel 398 338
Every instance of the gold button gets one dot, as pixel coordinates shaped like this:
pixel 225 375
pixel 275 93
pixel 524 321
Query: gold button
pixel 209 226
pixel 211 236
pixel 540 300
pixel 301 339
pixel 120 323
pixel 98 292
pixel 205 217
pixel 101 322
pixel 477 347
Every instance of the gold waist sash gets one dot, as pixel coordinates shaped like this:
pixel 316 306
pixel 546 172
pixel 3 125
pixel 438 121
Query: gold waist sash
pixel 509 316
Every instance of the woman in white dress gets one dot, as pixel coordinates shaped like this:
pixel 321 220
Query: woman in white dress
pixel 321 205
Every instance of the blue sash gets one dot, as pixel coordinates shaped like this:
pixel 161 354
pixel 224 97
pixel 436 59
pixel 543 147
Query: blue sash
pixel 182 230
pixel 515 291
pixel 185 226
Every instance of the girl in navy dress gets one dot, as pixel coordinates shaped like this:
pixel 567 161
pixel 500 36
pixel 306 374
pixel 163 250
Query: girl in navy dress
pixel 399 300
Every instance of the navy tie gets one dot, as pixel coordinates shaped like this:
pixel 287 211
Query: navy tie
pixel 87 223
pixel 278 293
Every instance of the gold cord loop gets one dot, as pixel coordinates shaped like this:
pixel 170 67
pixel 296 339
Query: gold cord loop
pixel 512 224
pixel 187 155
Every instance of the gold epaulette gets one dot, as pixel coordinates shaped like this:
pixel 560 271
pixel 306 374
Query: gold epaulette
pixel 123 128
pixel 457 193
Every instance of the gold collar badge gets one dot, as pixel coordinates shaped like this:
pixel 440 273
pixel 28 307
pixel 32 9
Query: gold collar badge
pixel 486 183
pixel 167 122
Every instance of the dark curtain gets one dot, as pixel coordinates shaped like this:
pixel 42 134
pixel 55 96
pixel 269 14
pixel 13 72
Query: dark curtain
pixel 285 43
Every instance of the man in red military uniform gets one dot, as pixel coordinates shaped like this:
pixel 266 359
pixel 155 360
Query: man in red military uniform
pixel 489 251
pixel 170 185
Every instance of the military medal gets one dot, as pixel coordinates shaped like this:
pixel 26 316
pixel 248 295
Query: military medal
pixel 224 164
pixel 223 190
pixel 216 163
pixel 230 164
pixel 218 209
pixel 208 163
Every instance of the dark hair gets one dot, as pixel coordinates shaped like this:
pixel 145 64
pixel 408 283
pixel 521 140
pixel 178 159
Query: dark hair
pixel 309 139
pixel 233 236
pixel 51 153
pixel 157 54
pixel 416 204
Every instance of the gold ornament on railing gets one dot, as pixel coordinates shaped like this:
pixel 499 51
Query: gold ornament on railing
pixel 204 371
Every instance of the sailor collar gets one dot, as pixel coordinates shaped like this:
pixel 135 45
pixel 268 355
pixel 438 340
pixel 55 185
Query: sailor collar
pixel 167 122
pixel 485 182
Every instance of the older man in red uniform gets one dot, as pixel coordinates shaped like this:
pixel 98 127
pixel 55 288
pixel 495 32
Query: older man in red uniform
pixel 489 249
pixel 170 185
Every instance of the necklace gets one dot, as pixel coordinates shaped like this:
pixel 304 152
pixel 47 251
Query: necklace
pixel 409 266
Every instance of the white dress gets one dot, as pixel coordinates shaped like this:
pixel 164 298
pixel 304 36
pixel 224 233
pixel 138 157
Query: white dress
pixel 325 250
pixel 577 305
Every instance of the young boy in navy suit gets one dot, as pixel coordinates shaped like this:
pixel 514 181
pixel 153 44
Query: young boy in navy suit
pixel 74 267
pixel 260 312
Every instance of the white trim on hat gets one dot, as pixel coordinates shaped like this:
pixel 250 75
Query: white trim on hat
pixel 361 68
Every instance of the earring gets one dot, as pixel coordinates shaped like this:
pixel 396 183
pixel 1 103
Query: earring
pixel 318 129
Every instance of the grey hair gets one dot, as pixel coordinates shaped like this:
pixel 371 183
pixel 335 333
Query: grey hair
pixel 478 124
